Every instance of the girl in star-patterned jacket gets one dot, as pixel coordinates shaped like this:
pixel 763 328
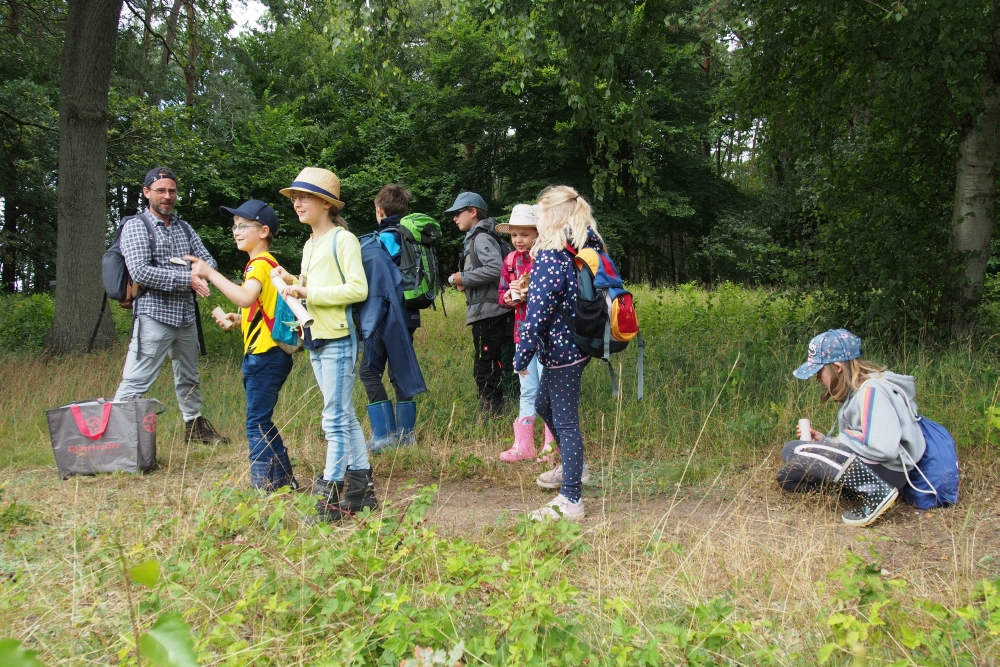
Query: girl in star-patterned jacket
pixel 564 218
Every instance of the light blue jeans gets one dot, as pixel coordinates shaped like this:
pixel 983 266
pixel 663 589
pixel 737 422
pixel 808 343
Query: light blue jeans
pixel 529 388
pixel 333 365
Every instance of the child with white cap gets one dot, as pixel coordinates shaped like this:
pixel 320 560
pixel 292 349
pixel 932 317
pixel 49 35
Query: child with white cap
pixel 513 293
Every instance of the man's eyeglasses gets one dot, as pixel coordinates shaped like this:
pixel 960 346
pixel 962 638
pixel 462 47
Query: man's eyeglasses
pixel 240 227
pixel 165 191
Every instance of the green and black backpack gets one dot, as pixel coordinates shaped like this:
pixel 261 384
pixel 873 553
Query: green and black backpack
pixel 418 260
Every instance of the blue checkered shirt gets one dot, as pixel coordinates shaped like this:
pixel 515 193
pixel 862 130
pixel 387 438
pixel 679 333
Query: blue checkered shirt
pixel 168 298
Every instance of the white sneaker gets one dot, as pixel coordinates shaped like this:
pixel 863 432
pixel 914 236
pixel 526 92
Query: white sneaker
pixel 560 508
pixel 552 479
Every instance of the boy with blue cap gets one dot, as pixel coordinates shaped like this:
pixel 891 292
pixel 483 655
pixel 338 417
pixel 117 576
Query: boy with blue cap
pixel 482 259
pixel 880 439
pixel 265 365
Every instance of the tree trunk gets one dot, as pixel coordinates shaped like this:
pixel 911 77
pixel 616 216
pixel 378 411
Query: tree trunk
pixel 974 209
pixel 8 275
pixel 190 68
pixel 84 80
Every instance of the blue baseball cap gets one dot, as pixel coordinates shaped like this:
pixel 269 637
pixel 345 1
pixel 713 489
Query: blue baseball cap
pixel 255 210
pixel 156 173
pixel 827 348
pixel 465 200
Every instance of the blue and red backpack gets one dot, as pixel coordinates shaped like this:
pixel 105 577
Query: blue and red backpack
pixel 606 320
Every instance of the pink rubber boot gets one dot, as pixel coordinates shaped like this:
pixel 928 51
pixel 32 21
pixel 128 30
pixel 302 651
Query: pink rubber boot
pixel 524 441
pixel 548 449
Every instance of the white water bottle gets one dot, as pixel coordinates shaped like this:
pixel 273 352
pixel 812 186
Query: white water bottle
pixel 805 430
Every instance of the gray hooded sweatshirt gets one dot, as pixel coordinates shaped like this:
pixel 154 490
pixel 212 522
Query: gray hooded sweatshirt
pixel 481 273
pixel 878 421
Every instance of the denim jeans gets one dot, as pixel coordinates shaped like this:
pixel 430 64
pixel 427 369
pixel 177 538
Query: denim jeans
pixel 263 376
pixel 333 365
pixel 158 340
pixel 529 389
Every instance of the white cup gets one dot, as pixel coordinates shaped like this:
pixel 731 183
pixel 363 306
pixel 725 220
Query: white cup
pixel 805 429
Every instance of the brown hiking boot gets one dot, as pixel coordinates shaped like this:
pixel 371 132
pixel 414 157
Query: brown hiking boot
pixel 200 429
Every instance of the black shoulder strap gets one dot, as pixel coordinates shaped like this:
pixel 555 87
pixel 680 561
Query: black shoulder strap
pixel 149 228
pixel 187 232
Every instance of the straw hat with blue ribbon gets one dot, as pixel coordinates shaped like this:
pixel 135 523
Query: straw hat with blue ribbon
pixel 317 181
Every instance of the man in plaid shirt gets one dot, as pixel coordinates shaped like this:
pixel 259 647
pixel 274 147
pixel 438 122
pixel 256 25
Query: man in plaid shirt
pixel 164 311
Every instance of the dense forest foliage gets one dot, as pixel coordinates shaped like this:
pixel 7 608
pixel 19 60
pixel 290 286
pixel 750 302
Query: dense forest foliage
pixel 825 148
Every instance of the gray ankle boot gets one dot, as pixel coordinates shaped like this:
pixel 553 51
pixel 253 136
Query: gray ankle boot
pixel 359 492
pixel 330 496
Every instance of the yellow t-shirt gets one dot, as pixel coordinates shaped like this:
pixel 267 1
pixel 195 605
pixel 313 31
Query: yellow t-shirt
pixel 257 322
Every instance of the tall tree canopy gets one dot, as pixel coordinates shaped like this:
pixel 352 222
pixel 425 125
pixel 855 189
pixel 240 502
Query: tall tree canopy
pixel 844 149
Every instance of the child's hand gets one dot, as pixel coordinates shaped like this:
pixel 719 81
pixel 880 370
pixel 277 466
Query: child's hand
pixel 199 267
pixel 507 301
pixel 812 434
pixel 227 321
pixel 279 272
pixel 294 291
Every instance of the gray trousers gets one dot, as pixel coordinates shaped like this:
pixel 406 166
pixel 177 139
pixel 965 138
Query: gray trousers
pixel 159 340
pixel 809 464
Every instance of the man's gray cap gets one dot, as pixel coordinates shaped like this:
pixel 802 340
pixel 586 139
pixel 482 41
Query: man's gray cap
pixel 465 200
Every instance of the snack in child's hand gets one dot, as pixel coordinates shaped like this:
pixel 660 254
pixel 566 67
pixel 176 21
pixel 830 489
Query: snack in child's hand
pixel 521 284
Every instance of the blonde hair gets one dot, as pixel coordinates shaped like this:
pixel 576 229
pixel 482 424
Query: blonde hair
pixel 563 217
pixel 855 372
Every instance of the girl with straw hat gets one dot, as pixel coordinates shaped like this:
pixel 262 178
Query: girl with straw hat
pixel 331 280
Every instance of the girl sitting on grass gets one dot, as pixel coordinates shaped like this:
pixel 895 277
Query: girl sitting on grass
pixel 513 292
pixel 879 441
pixel 564 219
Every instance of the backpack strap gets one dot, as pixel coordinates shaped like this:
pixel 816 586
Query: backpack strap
pixel 349 308
pixel 639 369
pixel 903 456
pixel 137 323
pixel 269 321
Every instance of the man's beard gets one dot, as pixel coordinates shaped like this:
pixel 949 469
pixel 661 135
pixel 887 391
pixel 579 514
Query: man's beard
pixel 160 209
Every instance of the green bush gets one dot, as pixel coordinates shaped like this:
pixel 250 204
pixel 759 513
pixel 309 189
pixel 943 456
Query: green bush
pixel 24 320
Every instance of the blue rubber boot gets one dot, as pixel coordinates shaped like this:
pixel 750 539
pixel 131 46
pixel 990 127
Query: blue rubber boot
pixel 281 473
pixel 260 475
pixel 383 420
pixel 406 421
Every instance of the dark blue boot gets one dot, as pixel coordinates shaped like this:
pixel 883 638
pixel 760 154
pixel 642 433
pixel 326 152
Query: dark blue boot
pixel 406 421
pixel 383 420
pixel 260 475
pixel 281 472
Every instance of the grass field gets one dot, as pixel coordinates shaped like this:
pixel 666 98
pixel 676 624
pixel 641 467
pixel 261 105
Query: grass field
pixel 689 552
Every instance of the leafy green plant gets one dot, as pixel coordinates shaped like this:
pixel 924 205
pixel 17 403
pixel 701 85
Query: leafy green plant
pixel 24 320
pixel 13 654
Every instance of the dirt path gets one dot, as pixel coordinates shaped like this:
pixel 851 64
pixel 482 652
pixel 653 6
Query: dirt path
pixel 965 538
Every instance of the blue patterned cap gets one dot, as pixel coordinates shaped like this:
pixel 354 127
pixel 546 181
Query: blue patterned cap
pixel 826 348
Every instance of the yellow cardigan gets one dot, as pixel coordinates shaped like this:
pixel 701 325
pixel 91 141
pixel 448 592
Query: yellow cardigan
pixel 328 295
